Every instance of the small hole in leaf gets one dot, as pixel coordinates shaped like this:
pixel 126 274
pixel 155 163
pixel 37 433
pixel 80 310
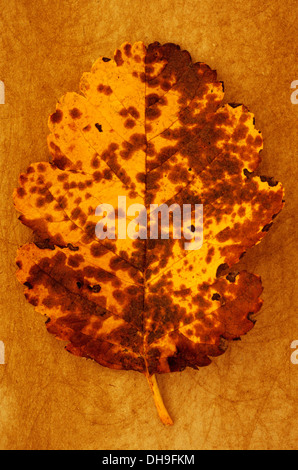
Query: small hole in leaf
pixel 231 277
pixel 96 288
pixel 215 296
pixel 98 127
pixel 72 248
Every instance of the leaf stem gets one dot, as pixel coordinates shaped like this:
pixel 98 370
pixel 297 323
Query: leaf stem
pixel 161 409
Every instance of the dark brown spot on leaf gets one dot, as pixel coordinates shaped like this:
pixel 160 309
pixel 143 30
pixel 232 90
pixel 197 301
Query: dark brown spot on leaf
pixel 57 117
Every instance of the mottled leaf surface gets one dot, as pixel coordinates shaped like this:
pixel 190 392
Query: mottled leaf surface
pixel 150 125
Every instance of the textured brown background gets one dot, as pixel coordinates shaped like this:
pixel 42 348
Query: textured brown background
pixel 247 399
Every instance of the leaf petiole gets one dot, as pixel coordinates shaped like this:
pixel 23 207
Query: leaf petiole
pixel 161 409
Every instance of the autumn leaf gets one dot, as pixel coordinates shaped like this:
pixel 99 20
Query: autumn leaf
pixel 149 125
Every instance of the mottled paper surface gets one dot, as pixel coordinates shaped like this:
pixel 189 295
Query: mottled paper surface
pixel 246 399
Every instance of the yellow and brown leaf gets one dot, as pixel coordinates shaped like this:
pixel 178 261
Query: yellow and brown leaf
pixel 149 125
